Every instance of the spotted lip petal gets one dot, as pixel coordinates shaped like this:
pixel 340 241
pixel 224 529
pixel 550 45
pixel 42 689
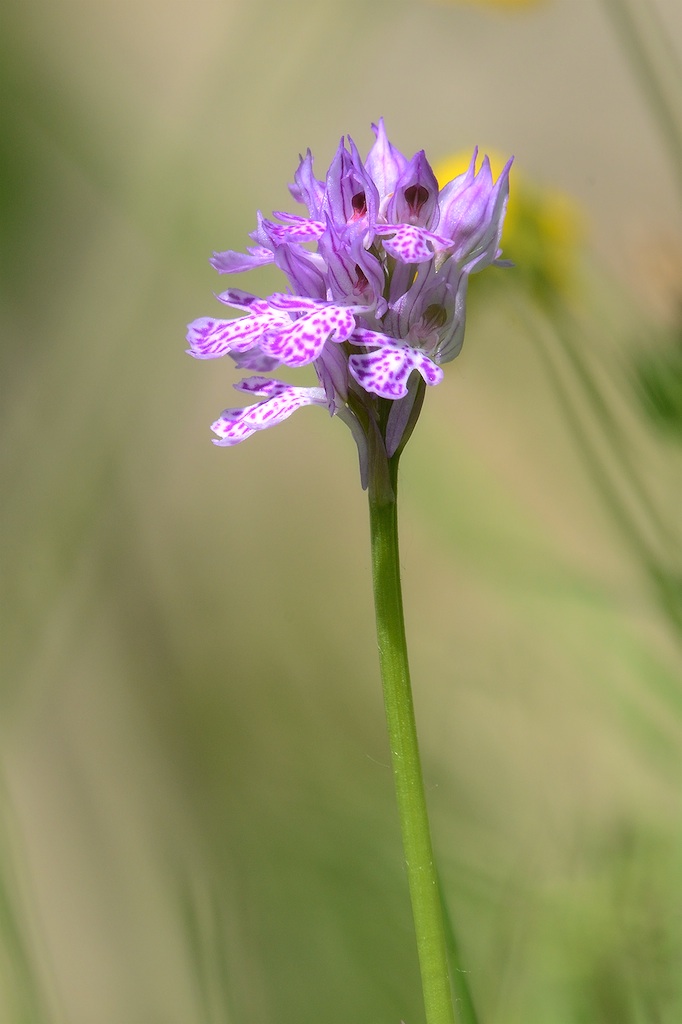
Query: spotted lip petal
pixel 280 401
pixel 301 342
pixel 410 243
pixel 295 303
pixel 239 299
pixel 300 229
pixel 211 339
pixel 386 371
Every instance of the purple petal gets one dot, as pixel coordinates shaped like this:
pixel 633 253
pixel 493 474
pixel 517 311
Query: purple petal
pixel 472 214
pixel 487 250
pixel 254 359
pixel 332 370
pixel 425 306
pixel 416 195
pixel 350 194
pixel 281 400
pixel 458 184
pixel 399 417
pixel 354 275
pixel 452 336
pixel 231 262
pixel 304 269
pixel 384 162
pixel 306 188
pixel 385 372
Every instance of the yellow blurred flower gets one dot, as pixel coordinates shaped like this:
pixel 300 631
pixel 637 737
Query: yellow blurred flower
pixel 543 229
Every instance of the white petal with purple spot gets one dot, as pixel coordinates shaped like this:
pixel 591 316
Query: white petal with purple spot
pixel 295 303
pixel 239 299
pixel 411 244
pixel 302 341
pixel 385 372
pixel 299 229
pixel 211 339
pixel 280 401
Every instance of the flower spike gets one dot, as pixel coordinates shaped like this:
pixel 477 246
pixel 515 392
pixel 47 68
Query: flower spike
pixel 377 273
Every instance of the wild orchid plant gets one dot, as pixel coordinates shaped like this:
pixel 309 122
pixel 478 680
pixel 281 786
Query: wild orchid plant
pixel 377 308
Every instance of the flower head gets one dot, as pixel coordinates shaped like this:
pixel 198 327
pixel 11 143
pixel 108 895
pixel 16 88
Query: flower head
pixel 377 274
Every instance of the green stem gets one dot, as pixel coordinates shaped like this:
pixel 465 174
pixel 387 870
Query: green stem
pixel 407 773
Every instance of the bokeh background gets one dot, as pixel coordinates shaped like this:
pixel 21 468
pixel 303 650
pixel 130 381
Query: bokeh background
pixel 197 812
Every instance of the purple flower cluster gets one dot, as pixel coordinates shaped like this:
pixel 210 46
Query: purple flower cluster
pixel 377 274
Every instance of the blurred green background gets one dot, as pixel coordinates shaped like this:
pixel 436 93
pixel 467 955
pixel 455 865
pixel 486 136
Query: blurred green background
pixel 198 820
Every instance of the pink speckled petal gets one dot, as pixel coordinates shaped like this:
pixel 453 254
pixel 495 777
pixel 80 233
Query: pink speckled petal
pixel 412 244
pixel 211 339
pixel 239 299
pixel 298 229
pixel 363 336
pixel 295 303
pixel 385 372
pixel 280 401
pixel 302 341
